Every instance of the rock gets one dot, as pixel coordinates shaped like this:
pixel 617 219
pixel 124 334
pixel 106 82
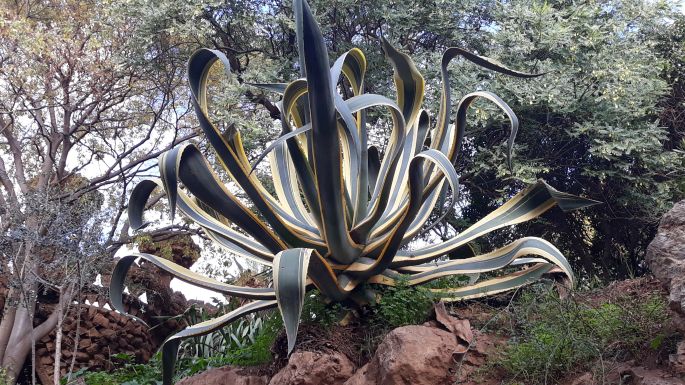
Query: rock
pixel 313 368
pixel 460 327
pixel 483 346
pixel 416 355
pixel 224 376
pixel 677 360
pixel 585 379
pixel 641 376
pixel 100 320
pixel 666 255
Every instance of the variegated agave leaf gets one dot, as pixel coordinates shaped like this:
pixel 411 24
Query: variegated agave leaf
pixel 341 214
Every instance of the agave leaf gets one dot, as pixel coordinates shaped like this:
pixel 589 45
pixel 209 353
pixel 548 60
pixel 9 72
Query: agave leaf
pixel 353 65
pixel 447 170
pixel 496 285
pixel 305 173
pixel 187 163
pixel 374 162
pixel 408 82
pixel 230 245
pixel 326 143
pixel 416 197
pixel 290 277
pixel 230 152
pixel 379 198
pixel 494 260
pixel 460 123
pixel 446 95
pixel 123 265
pixel 526 205
pixel 141 193
pixel 287 187
pixel 170 346
pixel 278 142
pixel 398 196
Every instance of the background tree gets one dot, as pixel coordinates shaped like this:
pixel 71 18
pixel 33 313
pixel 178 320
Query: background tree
pixel 591 126
pixel 79 120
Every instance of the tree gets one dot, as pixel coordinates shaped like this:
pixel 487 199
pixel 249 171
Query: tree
pixel 78 124
pixel 591 126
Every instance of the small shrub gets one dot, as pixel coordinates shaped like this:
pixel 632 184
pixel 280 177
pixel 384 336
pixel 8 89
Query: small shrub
pixel 253 352
pixel 402 305
pixel 317 310
pixel 258 352
pixel 128 374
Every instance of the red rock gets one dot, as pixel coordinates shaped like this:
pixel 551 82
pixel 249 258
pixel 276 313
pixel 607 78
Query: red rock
pixel 584 379
pixel 100 320
pixel 480 350
pixel 460 327
pixel 313 368
pixel 411 355
pixel 641 376
pixel 224 376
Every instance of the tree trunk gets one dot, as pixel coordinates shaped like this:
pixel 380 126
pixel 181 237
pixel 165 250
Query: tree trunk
pixel 21 340
pixel 77 339
pixel 58 338
pixel 7 323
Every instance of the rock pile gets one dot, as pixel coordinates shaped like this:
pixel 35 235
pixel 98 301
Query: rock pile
pixel 99 334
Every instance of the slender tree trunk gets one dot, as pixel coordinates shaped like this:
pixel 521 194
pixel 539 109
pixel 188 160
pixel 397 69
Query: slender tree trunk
pixel 77 339
pixel 58 337
pixel 7 323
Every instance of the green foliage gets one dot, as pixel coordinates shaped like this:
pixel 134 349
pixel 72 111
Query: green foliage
pixel 318 310
pixel 126 373
pixel 595 125
pixel 255 352
pixel 402 304
pixel 231 337
pixel 4 378
pixel 258 352
pixel 555 337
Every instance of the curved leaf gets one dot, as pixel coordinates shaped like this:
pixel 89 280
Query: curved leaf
pixel 290 277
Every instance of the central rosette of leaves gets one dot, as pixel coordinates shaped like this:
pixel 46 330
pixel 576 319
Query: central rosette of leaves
pixel 342 212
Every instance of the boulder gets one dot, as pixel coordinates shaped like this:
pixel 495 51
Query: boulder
pixel 313 368
pixel 641 376
pixel 666 255
pixel 226 375
pixel 416 355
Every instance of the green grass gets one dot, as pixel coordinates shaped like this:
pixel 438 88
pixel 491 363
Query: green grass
pixel 554 337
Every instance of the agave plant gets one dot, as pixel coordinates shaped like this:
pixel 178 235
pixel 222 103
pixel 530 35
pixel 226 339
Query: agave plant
pixel 342 214
pixel 237 335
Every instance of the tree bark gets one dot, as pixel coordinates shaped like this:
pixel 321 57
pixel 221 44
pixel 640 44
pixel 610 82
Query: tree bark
pixel 7 323
pixel 58 337
pixel 21 346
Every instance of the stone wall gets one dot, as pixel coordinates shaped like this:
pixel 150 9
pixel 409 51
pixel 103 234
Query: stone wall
pixel 102 333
